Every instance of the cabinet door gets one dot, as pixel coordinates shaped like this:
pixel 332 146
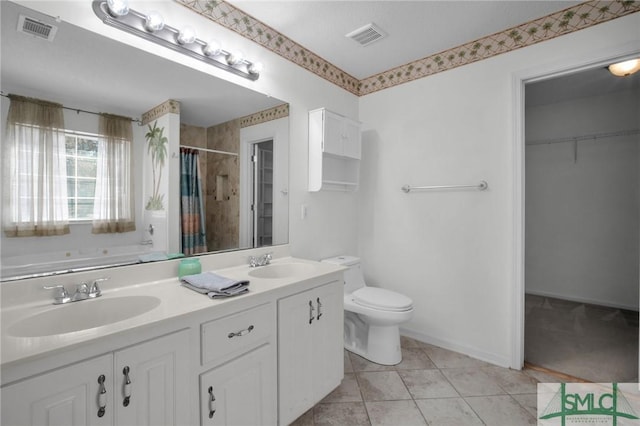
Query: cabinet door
pixel 352 139
pixel 328 342
pixel 241 392
pixel 332 133
pixel 68 396
pixel 296 319
pixel 152 385
pixel 310 348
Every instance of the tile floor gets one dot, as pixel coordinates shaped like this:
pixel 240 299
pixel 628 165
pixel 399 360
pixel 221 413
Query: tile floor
pixel 431 386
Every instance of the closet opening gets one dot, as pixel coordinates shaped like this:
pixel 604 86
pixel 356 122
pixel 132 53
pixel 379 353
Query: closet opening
pixel 582 225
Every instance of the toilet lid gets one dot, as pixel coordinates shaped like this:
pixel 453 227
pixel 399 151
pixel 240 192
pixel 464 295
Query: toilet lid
pixel 379 298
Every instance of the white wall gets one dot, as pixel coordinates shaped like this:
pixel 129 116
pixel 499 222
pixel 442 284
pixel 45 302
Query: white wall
pixel 452 252
pixel 80 235
pixel 582 214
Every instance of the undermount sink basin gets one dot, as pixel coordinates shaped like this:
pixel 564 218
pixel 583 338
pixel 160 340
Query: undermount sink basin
pixel 84 315
pixel 281 270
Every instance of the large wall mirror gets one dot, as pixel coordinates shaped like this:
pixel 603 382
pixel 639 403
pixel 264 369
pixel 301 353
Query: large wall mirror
pixel 238 137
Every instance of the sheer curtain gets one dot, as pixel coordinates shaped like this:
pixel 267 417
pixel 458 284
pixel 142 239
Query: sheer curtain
pixel 34 169
pixel 114 207
pixel 194 237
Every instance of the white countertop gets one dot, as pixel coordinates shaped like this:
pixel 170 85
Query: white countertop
pixel 176 302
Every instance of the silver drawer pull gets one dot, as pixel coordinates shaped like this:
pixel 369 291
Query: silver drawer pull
pixel 212 403
pixel 241 332
pixel 102 396
pixel 311 311
pixel 126 388
pixel 319 309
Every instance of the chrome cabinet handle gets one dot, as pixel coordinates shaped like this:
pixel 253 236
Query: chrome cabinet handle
pixel 241 332
pixel 102 396
pixel 319 309
pixel 126 387
pixel 311 311
pixel 212 402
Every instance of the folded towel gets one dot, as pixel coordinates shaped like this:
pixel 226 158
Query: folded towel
pixel 243 288
pixel 215 285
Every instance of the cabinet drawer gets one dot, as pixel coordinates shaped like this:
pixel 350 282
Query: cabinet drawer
pixel 237 333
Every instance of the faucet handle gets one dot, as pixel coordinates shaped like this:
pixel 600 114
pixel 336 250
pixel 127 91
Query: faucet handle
pixel 95 291
pixel 253 261
pixel 61 295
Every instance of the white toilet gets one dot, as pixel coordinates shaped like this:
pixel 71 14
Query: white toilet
pixel 371 316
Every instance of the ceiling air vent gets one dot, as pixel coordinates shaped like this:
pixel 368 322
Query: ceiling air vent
pixel 367 34
pixel 36 28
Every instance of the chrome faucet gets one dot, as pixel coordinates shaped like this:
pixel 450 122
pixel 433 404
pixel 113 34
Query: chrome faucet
pixel 83 292
pixel 263 260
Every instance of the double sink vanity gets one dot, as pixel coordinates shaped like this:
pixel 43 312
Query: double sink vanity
pixel 149 351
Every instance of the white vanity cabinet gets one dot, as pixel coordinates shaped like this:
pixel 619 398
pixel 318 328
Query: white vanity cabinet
pixel 240 388
pixel 310 348
pixel 334 151
pixel 73 395
pixel 152 386
pixel 68 396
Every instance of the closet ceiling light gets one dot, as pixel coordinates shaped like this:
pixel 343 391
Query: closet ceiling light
pixel 623 69
pixel 151 27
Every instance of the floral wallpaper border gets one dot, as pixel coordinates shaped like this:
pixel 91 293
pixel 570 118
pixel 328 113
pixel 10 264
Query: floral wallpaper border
pixel 274 113
pixel 566 21
pixel 169 106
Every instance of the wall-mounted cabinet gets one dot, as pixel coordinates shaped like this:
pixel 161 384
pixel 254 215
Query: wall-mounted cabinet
pixel 334 151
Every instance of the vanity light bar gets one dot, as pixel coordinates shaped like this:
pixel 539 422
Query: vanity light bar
pixel 134 22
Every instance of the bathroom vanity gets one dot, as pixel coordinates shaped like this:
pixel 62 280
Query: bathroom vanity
pixel 261 358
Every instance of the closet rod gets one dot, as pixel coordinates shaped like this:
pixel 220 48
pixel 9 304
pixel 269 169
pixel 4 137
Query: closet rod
pixel 215 151
pixel 585 137
pixel 481 187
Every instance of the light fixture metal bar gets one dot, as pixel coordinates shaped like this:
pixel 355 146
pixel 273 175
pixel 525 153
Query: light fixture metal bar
pixel 133 23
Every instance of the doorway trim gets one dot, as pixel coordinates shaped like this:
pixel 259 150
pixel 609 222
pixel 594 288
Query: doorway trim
pixel 519 79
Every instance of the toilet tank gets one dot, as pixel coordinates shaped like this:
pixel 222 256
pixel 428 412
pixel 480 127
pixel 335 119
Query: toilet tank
pixel 353 277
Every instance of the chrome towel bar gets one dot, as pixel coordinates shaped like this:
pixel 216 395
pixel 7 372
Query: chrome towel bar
pixel 481 187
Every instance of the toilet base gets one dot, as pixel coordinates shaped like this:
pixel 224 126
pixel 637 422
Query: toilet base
pixel 383 345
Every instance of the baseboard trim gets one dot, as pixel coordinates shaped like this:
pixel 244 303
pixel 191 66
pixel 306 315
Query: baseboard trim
pixel 492 358
pixel 578 299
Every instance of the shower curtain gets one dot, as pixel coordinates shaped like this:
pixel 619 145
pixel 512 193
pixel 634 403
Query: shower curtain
pixel 194 237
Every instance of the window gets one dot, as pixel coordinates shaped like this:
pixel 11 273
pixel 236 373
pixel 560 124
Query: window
pixel 82 160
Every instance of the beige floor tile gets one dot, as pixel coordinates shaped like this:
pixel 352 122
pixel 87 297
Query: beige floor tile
pixel 348 391
pixel 500 410
pixel 359 363
pixel 512 381
pixel 529 402
pixel 423 384
pixel 408 342
pixel 394 413
pixel 304 420
pixel 382 386
pixel 348 368
pixel 448 412
pixel 340 414
pixel 414 359
pixel 472 382
pixel 444 358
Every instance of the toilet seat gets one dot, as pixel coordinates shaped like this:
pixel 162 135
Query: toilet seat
pixel 382 299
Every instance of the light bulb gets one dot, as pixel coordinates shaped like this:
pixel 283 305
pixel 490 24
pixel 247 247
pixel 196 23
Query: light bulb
pixel 154 21
pixel 118 8
pixel 256 68
pixel 235 57
pixel 187 35
pixel 212 48
pixel 623 69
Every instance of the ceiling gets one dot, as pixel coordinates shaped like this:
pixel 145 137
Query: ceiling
pixel 415 29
